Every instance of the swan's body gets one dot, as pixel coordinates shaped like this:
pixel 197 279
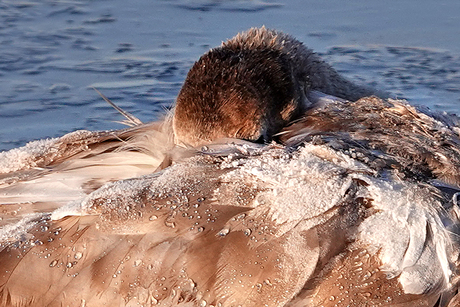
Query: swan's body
pixel 355 206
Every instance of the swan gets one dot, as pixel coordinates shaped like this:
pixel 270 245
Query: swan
pixel 273 182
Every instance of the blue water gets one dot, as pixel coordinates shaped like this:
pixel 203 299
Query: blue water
pixel 138 52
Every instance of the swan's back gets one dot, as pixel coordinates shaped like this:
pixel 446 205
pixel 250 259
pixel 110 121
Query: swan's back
pixel 240 225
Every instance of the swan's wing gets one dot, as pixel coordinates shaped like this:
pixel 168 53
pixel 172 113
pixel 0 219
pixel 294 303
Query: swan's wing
pixel 47 174
pixel 186 235
pixel 264 229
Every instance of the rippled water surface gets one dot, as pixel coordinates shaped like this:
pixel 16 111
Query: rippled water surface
pixel 138 52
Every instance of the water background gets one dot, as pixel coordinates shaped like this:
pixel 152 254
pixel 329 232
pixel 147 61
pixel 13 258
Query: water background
pixel 137 52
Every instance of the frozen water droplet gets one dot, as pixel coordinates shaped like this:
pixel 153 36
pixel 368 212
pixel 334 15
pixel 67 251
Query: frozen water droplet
pixel 137 263
pixel 69 265
pixel 192 284
pixel 170 224
pixel 78 255
pixel 200 229
pixel 223 232
pixel 153 217
pixel 203 303
pixel 247 232
pixel 241 216
pixel 53 263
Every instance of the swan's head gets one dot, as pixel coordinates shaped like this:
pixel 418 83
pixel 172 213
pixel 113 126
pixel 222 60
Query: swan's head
pixel 237 92
pixel 252 86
